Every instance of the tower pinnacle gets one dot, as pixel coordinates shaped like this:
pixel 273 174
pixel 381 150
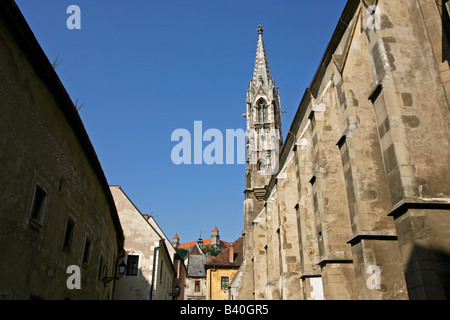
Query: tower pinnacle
pixel 263 123
pixel 261 72
pixel 176 241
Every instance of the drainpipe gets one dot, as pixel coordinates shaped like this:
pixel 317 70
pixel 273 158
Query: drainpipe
pixel 155 254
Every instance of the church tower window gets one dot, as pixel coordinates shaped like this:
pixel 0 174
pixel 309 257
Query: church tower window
pixel 261 166
pixel 262 111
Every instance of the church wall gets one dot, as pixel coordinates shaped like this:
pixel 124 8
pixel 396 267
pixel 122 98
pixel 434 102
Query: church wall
pixel 415 145
pixel 259 255
pixel 306 220
pixel 373 231
pixel 329 196
pixel 367 188
pixel 289 231
pixel 273 255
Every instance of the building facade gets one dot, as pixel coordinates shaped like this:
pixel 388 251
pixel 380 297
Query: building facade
pixel 179 283
pixel 221 270
pixel 150 272
pixel 60 235
pixel 163 282
pixel 196 274
pixel 358 207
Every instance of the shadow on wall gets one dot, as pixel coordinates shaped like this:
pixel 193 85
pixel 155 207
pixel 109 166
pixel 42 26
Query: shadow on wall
pixel 445 4
pixel 428 274
pixel 133 287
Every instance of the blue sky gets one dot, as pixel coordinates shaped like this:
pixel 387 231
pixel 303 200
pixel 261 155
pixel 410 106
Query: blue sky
pixel 145 68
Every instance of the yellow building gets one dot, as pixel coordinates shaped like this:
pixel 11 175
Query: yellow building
pixel 220 271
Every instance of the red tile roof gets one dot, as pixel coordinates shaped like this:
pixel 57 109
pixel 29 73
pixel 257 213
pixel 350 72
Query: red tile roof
pixel 223 259
pixel 206 242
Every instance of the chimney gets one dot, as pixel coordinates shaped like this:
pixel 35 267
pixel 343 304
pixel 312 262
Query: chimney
pixel 231 247
pixel 146 216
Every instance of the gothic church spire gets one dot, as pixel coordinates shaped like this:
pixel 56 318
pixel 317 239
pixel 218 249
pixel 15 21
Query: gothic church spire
pixel 262 70
pixel 263 125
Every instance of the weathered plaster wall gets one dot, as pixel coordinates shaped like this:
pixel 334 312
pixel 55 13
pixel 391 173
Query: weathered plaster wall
pixel 38 146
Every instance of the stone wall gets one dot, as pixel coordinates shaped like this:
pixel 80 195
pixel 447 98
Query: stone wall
pixel 361 203
pixel 45 154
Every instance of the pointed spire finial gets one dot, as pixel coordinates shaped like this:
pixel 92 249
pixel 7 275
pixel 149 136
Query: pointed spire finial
pixel 261 73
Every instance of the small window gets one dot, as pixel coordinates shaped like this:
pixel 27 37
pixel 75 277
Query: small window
pixel 69 234
pixel 132 265
pixel 39 200
pixel 197 286
pixel 87 251
pixel 224 283
pixel 261 166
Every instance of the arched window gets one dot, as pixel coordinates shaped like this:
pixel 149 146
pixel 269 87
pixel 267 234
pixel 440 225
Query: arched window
pixel 261 166
pixel 262 111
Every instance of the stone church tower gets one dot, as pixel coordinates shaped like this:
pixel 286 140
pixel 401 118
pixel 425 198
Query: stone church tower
pixel 264 131
pixel 264 140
